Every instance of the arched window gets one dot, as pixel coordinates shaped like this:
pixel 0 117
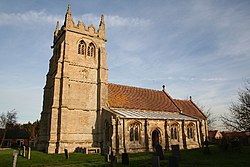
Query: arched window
pixel 174 131
pixel 81 47
pixel 190 131
pixel 91 50
pixel 134 132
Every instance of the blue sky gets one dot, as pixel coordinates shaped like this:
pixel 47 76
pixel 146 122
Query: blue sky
pixel 196 48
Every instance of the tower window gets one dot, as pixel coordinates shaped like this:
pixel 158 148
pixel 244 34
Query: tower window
pixel 91 50
pixel 81 47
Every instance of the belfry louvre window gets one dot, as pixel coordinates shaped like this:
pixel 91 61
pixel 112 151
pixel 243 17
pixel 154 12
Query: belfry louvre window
pixel 190 131
pixel 81 47
pixel 91 50
pixel 134 132
pixel 174 131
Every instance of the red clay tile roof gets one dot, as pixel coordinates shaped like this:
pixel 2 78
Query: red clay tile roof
pixel 129 97
pixel 189 108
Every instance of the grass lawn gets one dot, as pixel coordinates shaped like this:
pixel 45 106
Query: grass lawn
pixel 189 158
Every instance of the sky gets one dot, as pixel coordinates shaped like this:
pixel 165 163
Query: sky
pixel 196 48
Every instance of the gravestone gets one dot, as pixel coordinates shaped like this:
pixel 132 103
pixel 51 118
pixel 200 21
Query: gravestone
pixel 107 157
pixel 125 159
pixel 206 148
pixel 173 161
pixel 24 151
pixel 66 153
pixel 176 151
pixel 14 159
pixel 29 150
pixel 113 159
pixel 159 151
pixel 155 161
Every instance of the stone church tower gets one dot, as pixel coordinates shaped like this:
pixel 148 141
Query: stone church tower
pixel 76 88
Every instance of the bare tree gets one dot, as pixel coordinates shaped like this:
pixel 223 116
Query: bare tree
pixel 210 117
pixel 9 118
pixel 239 116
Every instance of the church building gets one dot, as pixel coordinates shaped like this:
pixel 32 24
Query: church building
pixel 82 109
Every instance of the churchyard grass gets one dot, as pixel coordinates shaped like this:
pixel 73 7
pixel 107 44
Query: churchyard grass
pixel 189 158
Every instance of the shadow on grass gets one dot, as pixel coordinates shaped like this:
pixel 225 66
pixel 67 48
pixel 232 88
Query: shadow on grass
pixel 189 158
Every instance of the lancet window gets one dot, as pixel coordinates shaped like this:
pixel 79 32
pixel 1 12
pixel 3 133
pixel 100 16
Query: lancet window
pixel 81 47
pixel 91 50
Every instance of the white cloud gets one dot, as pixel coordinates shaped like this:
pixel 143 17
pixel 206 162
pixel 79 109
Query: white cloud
pixel 114 20
pixel 29 17
pixel 41 17
pixel 127 21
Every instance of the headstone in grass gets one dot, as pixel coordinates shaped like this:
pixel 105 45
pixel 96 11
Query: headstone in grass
pixel 176 151
pixel 29 150
pixel 24 151
pixel 173 161
pixel 159 151
pixel 155 161
pixel 107 157
pixel 66 153
pixel 113 159
pixel 206 148
pixel 14 158
pixel 125 159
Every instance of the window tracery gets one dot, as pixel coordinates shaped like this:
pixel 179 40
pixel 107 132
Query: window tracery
pixel 134 132
pixel 91 50
pixel 174 131
pixel 190 131
pixel 81 47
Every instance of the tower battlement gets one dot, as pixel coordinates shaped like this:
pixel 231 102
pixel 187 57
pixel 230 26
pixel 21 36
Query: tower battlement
pixel 80 27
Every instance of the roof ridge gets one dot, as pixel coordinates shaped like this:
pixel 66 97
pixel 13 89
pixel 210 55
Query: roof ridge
pixel 181 100
pixel 134 87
